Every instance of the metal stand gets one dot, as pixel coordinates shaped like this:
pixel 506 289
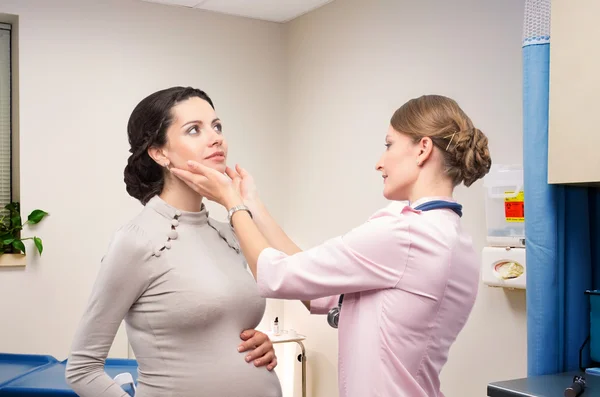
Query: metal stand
pixel 302 358
pixel 283 338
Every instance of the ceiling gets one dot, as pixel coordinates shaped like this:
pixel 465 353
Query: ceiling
pixel 269 10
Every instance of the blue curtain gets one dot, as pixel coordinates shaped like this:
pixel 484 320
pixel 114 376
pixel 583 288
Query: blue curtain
pixel 561 223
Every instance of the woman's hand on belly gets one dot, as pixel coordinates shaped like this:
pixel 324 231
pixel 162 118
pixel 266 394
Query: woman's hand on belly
pixel 262 351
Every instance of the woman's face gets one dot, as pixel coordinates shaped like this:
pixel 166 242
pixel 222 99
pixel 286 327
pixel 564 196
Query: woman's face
pixel 398 165
pixel 195 134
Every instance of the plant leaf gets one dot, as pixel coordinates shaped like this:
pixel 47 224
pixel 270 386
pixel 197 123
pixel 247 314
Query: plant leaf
pixel 36 216
pixel 18 245
pixel 38 244
pixel 5 236
pixel 8 241
pixel 15 220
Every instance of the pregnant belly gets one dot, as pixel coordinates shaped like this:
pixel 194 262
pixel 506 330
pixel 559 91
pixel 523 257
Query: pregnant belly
pixel 213 370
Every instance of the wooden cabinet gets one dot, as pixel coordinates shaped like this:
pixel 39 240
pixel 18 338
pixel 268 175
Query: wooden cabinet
pixel 574 118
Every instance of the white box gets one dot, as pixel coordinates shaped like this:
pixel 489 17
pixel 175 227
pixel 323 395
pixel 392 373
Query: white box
pixel 504 206
pixel 504 267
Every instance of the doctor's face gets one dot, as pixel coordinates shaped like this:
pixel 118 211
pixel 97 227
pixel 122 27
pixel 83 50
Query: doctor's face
pixel 398 165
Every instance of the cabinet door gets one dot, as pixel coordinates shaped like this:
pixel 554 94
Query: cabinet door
pixel 574 119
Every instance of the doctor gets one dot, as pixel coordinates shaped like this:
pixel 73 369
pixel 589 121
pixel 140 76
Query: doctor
pixel 408 276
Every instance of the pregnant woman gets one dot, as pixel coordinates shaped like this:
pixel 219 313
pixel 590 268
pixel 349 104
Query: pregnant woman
pixel 175 275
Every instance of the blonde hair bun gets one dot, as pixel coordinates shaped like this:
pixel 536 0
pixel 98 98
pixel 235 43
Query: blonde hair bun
pixel 464 147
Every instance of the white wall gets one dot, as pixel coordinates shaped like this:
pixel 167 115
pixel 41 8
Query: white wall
pixel 84 65
pixel 351 64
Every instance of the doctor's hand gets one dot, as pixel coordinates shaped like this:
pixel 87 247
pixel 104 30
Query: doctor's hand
pixel 262 352
pixel 210 183
pixel 244 183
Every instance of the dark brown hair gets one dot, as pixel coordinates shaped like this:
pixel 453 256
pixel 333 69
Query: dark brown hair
pixel 147 127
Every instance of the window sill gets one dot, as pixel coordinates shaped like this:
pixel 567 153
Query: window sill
pixel 13 260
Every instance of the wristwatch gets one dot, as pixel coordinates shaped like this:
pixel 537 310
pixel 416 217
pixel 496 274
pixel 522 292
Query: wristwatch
pixel 235 209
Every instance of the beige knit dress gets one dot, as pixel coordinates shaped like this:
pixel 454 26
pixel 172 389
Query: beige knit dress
pixel 180 282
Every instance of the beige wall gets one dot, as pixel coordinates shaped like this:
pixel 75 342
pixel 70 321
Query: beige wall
pixel 84 65
pixel 305 107
pixel 351 64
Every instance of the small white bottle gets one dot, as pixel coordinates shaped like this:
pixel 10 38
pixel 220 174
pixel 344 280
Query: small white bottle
pixel 276 326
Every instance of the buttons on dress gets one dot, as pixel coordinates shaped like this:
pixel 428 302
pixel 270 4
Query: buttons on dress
pixel 171 235
pixel 158 250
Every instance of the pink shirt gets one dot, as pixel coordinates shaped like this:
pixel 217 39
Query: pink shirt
pixel 410 279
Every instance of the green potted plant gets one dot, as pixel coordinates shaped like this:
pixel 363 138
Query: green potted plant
pixel 12 248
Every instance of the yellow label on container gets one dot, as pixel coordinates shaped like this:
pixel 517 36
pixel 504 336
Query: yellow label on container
pixel 514 207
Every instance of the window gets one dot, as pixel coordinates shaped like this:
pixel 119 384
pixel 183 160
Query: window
pixel 5 115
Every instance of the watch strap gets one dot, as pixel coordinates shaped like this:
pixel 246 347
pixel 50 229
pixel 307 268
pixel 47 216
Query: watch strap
pixel 235 209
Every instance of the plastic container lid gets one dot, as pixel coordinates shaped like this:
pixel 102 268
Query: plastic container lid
pixel 504 175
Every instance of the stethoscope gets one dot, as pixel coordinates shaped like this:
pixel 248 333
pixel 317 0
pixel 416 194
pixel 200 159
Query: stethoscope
pixel 333 317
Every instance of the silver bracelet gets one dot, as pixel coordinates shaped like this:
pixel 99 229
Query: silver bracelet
pixel 235 209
